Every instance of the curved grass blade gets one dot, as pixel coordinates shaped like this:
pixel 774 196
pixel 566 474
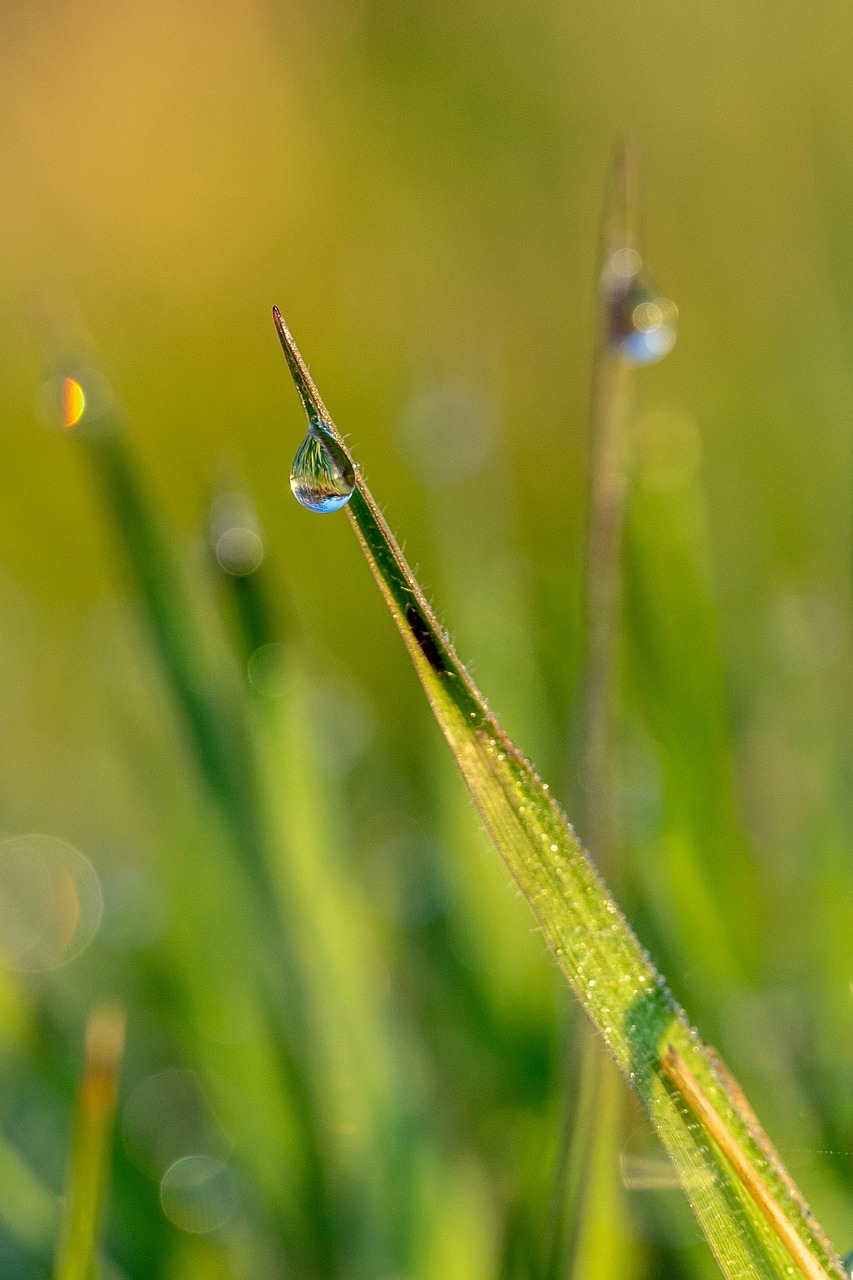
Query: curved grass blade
pixel 603 961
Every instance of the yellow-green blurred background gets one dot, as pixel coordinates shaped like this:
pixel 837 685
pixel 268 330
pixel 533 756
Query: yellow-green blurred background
pixel 418 186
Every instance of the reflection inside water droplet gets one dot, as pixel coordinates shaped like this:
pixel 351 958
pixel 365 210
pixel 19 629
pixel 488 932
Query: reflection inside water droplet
pixel 198 1193
pixel 322 477
pixel 643 323
pixel 50 903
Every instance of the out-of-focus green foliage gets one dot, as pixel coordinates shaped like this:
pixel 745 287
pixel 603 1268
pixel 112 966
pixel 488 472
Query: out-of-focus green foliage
pixel 419 188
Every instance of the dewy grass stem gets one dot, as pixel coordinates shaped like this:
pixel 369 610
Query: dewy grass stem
pixel 603 962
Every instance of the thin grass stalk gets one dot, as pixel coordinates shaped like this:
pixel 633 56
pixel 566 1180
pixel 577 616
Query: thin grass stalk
pixel 87 1179
pixel 593 1148
pixel 608 481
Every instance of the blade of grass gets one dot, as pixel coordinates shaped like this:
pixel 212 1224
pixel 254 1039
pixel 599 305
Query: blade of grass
pixel 676 675
pixel 604 963
pixel 580 1210
pixel 28 1211
pixel 91 1142
pixel 608 471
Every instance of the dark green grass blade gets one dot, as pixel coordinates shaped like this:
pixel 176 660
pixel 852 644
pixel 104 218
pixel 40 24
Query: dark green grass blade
pixel 602 960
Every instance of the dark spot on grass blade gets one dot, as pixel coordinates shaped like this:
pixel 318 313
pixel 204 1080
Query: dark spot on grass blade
pixel 421 631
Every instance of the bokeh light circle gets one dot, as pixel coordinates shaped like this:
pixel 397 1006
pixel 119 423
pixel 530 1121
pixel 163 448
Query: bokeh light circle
pixel 268 670
pixel 50 903
pixel 164 1118
pixel 239 551
pixel 198 1194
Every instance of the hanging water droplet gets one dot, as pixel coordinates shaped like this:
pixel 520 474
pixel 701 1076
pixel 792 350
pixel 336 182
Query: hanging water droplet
pixel 643 323
pixel 322 477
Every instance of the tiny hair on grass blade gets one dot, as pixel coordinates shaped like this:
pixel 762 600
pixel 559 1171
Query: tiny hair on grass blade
pixel 604 963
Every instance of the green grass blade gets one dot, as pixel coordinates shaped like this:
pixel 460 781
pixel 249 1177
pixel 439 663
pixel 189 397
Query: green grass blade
pixel 91 1141
pixel 595 1217
pixel 612 386
pixel 28 1211
pixel 210 714
pixel 603 961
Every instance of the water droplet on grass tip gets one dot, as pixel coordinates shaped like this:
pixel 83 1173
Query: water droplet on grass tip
pixel 322 477
pixel 643 323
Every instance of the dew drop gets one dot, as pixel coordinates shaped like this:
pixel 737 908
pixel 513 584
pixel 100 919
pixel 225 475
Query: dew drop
pixel 643 323
pixel 322 477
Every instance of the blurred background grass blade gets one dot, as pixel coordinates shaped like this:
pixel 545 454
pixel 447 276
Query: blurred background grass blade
pixel 88 1176
pixel 198 681
pixel 604 963
pixel 682 690
pixel 591 1235
pixel 609 462
pixel 29 1212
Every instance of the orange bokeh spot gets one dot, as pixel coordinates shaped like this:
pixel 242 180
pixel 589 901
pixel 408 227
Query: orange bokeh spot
pixel 73 402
